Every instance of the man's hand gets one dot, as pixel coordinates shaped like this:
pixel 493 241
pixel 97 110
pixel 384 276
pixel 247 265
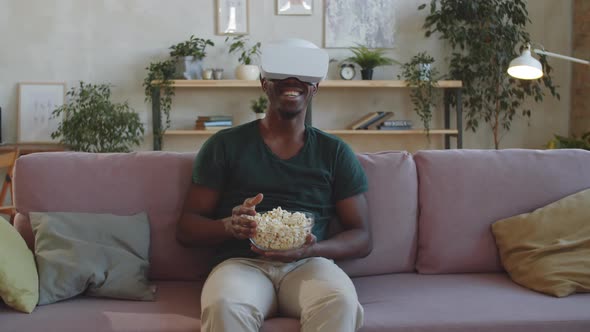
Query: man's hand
pixel 238 224
pixel 288 256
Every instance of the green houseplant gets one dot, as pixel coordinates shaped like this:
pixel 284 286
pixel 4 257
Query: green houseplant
pixel 259 106
pixel 368 59
pixel 573 142
pixel 158 84
pixel 246 70
pixel 192 51
pixel 92 123
pixel 420 75
pixel 194 47
pixel 485 35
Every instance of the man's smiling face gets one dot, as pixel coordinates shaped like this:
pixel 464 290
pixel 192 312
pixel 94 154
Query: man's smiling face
pixel 289 96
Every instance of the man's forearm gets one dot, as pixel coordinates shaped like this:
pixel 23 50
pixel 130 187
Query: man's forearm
pixel 197 231
pixel 354 243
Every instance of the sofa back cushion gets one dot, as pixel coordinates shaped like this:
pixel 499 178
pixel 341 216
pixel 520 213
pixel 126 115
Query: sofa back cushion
pixel 120 184
pixel 462 192
pixel 157 182
pixel 393 205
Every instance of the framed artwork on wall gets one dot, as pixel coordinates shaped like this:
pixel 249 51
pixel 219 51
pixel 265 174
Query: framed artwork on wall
pixel 350 22
pixel 36 102
pixel 232 17
pixel 294 7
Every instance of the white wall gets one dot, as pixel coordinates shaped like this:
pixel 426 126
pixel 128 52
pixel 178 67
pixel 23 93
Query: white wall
pixel 114 40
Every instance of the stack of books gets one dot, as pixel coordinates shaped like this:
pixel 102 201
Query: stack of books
pixel 371 121
pixel 214 122
pixel 396 125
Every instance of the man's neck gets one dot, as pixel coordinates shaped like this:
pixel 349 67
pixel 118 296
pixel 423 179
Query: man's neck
pixel 276 126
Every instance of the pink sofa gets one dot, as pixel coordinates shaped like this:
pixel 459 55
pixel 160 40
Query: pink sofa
pixel 434 266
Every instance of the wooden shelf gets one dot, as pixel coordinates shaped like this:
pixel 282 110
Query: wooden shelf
pixel 334 132
pixel 449 87
pixel 188 132
pixel 324 84
pixel 391 132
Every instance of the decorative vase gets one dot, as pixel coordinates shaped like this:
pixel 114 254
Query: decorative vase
pixel 192 68
pixel 218 73
pixel 207 74
pixel 247 72
pixel 424 70
pixel 260 115
pixel 367 74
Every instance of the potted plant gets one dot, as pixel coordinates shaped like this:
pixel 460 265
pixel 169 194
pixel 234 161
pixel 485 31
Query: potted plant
pixel 259 107
pixel 573 142
pixel 158 85
pixel 192 52
pixel 484 37
pixel 420 75
pixel 368 59
pixel 246 70
pixel 92 123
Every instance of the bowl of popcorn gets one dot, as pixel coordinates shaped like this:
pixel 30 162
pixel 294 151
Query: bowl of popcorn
pixel 280 229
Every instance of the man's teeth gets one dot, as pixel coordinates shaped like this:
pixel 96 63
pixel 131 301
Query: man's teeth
pixel 291 93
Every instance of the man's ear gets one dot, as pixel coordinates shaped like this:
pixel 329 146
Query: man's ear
pixel 315 88
pixel 263 83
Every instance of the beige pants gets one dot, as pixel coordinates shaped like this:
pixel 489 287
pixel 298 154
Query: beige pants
pixel 240 293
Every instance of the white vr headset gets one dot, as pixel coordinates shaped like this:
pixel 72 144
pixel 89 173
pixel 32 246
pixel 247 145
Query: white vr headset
pixel 293 58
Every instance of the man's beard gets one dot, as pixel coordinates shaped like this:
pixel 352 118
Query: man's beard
pixel 288 115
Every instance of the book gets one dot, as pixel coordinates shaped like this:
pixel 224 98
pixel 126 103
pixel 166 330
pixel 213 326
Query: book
pixel 375 125
pixel 398 123
pixel 395 127
pixel 373 120
pixel 215 118
pixel 364 120
pixel 213 123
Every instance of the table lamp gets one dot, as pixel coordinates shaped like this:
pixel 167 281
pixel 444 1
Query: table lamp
pixel 528 68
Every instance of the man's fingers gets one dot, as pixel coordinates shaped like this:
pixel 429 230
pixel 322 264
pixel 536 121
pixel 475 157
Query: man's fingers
pixel 245 210
pixel 253 201
pixel 311 239
pixel 243 230
pixel 243 227
pixel 244 222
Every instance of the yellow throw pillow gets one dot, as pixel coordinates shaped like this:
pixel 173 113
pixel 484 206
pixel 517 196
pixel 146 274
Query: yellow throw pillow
pixel 548 250
pixel 19 283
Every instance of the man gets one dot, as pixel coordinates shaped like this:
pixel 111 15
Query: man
pixel 279 161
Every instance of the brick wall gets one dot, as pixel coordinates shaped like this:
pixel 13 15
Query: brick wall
pixel 580 113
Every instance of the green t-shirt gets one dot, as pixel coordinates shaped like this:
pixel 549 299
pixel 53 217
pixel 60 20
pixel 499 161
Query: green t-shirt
pixel 238 164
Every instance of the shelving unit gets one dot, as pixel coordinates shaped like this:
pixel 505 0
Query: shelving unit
pixel 448 87
pixel 330 131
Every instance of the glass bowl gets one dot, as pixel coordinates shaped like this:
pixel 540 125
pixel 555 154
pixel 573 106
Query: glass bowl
pixel 274 235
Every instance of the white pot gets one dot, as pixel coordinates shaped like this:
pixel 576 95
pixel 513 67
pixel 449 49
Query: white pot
pixel 260 115
pixel 192 68
pixel 247 72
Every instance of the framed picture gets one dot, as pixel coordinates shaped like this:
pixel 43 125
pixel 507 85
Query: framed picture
pixel 232 17
pixel 294 7
pixel 36 102
pixel 369 23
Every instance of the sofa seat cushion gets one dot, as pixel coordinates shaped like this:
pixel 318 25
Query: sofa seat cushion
pixel 176 309
pixel 465 303
pixel 398 302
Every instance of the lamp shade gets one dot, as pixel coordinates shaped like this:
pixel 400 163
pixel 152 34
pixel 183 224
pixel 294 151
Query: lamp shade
pixel 525 67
